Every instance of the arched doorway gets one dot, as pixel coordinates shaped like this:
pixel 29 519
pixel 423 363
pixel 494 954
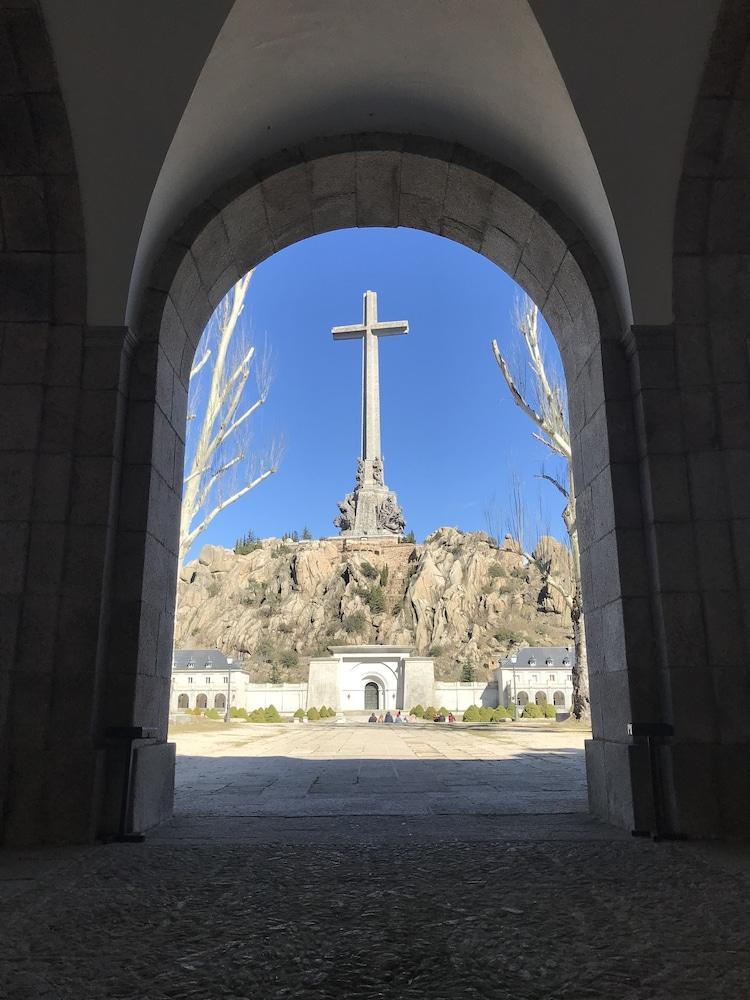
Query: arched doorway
pixel 220 701
pixel 522 699
pixel 540 698
pixel 201 701
pixel 558 699
pixel 183 701
pixel 372 697
pixel 512 225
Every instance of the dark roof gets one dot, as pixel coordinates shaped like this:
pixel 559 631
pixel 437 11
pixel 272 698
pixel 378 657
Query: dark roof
pixel 541 654
pixel 199 658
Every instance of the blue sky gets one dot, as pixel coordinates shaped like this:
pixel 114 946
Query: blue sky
pixel 450 433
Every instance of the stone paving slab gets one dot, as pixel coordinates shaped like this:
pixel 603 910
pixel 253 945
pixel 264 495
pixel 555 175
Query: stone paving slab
pixel 350 770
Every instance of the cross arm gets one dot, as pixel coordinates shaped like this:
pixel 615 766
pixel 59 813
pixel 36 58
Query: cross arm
pixel 389 329
pixel 348 332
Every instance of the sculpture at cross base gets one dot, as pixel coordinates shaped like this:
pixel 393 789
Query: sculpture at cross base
pixel 371 509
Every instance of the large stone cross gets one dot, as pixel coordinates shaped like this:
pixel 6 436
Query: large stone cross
pixel 368 332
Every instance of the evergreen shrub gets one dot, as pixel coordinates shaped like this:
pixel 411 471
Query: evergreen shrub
pixel 376 599
pixel 549 712
pixel 271 714
pixel 418 710
pixel 499 714
pixel 213 713
pixel 486 713
pixel 533 712
pixel 354 623
pixel 299 714
pixel 313 714
pixel 368 570
pixel 471 714
pixel 430 712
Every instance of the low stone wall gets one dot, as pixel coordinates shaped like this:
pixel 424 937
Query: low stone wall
pixel 457 696
pixel 286 697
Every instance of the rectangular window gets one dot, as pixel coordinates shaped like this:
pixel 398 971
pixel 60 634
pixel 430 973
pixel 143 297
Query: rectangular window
pixel 208 680
pixel 225 679
pixel 190 680
pixel 552 678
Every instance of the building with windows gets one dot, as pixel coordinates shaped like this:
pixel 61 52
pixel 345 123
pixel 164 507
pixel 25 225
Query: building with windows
pixel 542 675
pixel 206 678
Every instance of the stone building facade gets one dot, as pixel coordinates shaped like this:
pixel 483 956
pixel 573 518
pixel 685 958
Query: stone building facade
pixel 615 196
pixel 538 675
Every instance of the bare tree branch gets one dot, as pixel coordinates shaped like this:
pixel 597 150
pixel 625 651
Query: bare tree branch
pixel 216 475
pixel 544 401
pixel 203 361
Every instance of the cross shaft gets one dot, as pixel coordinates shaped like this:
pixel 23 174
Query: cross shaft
pixel 369 331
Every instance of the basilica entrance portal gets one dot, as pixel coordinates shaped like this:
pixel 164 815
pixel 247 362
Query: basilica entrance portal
pixel 372 697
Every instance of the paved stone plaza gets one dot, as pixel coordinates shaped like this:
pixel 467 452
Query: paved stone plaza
pixel 325 769
pixel 374 861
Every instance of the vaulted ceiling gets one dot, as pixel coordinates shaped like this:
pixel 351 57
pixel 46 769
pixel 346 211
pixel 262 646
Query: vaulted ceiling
pixel 591 101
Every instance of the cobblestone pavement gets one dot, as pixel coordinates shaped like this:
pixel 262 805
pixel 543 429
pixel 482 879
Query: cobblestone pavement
pixel 510 906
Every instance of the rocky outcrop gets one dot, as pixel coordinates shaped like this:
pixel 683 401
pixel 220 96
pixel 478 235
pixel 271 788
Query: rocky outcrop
pixel 457 597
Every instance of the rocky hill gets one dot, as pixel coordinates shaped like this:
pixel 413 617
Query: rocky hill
pixel 457 597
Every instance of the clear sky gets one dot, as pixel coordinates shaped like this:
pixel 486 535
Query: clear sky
pixel 450 433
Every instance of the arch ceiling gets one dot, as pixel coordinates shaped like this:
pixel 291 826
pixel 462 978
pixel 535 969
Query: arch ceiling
pixel 590 102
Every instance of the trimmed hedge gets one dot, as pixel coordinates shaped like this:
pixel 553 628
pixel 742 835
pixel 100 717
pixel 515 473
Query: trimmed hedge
pixel 299 714
pixel 533 712
pixel 471 714
pixel 313 714
pixel 549 712
pixel 418 710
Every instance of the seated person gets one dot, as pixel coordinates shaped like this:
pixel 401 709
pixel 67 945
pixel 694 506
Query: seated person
pixel 398 718
pixel 373 718
pixel 388 716
pixel 451 717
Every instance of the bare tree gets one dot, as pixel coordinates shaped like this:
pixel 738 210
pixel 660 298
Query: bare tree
pixel 543 399
pixel 221 467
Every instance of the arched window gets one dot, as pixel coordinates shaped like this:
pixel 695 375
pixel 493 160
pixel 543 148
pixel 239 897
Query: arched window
pixel 183 701
pixel 201 701
pixel 540 698
pixel 522 698
pixel 559 699
pixel 220 701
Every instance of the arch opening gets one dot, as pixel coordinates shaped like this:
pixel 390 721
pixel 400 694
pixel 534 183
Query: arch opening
pixel 447 190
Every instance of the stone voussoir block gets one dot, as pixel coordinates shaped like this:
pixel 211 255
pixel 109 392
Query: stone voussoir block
pixel 467 197
pixel 378 188
pixel 288 201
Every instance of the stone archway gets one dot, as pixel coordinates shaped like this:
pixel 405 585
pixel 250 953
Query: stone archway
pixel 390 180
